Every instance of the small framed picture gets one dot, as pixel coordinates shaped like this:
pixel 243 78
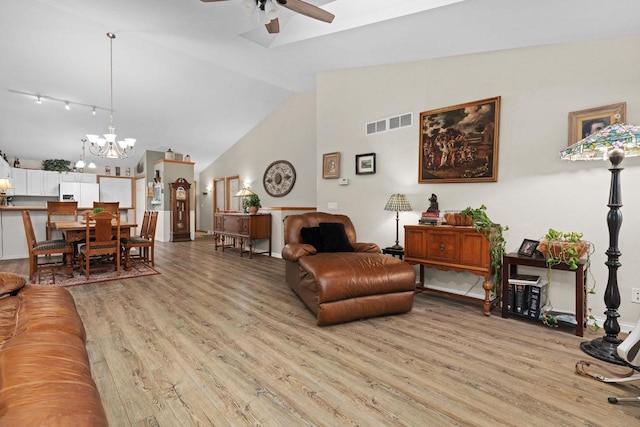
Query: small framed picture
pixel 585 122
pixel 117 170
pixel 127 172
pixel 331 165
pixel 528 247
pixel 365 164
pixel 107 170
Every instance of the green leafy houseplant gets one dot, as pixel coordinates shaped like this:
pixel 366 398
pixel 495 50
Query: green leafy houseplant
pixel 483 224
pixel 566 247
pixel 252 200
pixel 56 165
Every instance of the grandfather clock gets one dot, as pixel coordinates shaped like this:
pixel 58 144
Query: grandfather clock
pixel 180 211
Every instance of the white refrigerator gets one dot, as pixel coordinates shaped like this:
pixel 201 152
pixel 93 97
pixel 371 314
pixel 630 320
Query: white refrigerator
pixel 85 194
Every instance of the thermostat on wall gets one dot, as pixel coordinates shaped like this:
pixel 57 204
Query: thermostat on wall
pixel 343 181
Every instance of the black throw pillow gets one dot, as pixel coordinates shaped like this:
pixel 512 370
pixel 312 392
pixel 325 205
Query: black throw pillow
pixel 311 236
pixel 334 237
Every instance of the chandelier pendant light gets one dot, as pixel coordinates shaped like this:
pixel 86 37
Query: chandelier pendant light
pixel 108 147
pixel 80 164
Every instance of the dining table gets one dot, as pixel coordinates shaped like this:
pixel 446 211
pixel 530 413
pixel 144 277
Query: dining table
pixel 75 231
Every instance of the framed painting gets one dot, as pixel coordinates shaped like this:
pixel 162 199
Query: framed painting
pixel 365 164
pixel 460 143
pixel 585 122
pixel 331 165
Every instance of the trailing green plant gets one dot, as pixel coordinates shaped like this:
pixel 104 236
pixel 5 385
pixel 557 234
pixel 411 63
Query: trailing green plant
pixel 58 165
pixel 564 246
pixel 252 200
pixel 567 247
pixel 97 210
pixel 494 233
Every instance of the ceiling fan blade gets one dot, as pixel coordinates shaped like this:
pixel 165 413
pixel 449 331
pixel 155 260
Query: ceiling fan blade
pixel 273 27
pixel 308 10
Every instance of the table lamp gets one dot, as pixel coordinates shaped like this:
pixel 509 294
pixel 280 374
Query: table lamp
pixel 244 193
pixel 397 202
pixel 5 185
pixel 613 143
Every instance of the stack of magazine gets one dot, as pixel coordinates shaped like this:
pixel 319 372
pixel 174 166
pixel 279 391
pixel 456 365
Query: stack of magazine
pixel 527 295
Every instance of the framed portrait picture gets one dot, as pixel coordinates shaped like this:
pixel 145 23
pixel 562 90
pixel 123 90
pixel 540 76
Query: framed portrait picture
pixel 331 165
pixel 117 170
pixel 528 247
pixel 585 122
pixel 107 170
pixel 460 143
pixel 365 164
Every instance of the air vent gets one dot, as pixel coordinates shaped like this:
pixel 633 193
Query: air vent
pixel 390 123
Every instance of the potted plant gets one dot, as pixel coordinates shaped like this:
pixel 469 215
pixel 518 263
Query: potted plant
pixel 565 247
pixel 252 203
pixel 483 224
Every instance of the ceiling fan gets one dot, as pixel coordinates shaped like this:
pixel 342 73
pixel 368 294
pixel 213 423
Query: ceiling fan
pixel 268 11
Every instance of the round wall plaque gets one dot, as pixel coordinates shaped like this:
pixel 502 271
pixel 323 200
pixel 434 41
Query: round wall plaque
pixel 279 178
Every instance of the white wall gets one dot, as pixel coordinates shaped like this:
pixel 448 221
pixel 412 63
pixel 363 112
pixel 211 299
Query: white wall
pixel 535 189
pixel 288 134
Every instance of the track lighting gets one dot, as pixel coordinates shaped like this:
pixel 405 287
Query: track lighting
pixel 93 112
pixel 66 106
pixel 38 100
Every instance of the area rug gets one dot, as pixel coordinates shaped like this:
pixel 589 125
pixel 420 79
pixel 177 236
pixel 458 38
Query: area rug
pixel 61 279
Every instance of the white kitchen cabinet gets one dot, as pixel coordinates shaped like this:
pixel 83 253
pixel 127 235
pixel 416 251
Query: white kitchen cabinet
pixel 4 169
pixel 19 182
pixel 42 183
pixel 83 178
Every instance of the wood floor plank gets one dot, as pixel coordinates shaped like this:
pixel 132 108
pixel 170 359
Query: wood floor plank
pixel 220 340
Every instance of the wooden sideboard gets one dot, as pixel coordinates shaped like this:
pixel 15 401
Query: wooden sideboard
pixel 450 248
pixel 241 228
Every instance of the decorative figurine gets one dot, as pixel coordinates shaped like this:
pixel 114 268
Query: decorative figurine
pixel 16 163
pixel 433 207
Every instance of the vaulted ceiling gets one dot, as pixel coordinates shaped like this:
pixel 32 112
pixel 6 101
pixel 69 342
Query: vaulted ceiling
pixel 196 77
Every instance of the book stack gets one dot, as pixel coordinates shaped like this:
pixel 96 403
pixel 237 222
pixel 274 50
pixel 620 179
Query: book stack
pixel 432 218
pixel 527 295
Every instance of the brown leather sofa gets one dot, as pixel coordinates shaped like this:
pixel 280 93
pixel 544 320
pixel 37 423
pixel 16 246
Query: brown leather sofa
pixel 45 376
pixel 346 285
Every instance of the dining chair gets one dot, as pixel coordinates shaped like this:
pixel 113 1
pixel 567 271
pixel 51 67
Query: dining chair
pixel 102 239
pixel 45 248
pixel 67 211
pixel 145 242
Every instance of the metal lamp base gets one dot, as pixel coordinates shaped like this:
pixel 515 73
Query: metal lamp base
pixel 396 247
pixel 603 350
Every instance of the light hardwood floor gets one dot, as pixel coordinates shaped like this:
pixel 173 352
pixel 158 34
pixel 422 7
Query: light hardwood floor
pixel 221 340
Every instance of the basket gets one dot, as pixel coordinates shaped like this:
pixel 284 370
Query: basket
pixel 455 218
pixel 556 249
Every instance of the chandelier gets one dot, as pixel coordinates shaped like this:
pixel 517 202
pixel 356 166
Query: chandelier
pixel 108 147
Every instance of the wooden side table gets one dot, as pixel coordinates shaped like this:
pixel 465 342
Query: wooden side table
pixel 394 252
pixel 510 263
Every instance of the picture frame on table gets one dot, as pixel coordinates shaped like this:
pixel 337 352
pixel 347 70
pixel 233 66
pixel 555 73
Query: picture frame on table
pixel 585 122
pixel 460 143
pixel 331 165
pixel 528 247
pixel 365 164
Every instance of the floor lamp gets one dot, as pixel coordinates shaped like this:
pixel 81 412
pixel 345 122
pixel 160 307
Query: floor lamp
pixel 397 203
pixel 613 143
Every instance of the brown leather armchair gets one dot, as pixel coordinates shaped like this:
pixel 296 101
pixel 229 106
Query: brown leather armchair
pixel 343 286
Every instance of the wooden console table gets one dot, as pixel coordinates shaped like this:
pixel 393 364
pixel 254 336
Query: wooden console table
pixel 243 227
pixel 447 247
pixel 510 263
